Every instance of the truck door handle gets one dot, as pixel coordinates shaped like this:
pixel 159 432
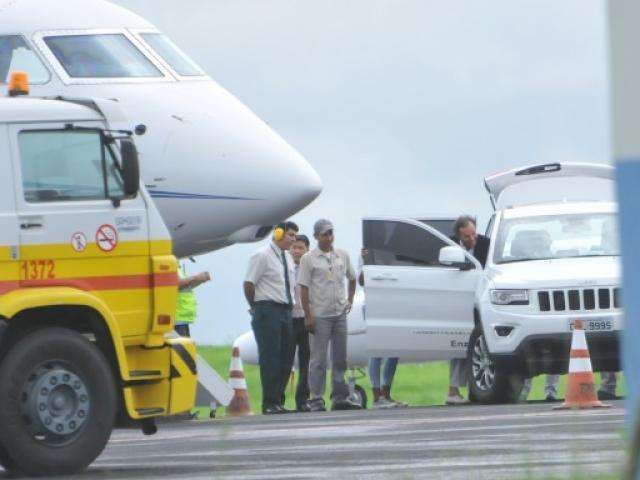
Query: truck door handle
pixel 384 277
pixel 27 226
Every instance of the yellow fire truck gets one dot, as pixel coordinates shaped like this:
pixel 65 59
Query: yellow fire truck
pixel 88 286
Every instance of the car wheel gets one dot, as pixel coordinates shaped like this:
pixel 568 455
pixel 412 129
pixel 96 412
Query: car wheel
pixel 359 396
pixel 487 384
pixel 59 402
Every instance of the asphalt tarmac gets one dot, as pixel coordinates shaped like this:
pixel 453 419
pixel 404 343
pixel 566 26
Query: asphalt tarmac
pixel 526 441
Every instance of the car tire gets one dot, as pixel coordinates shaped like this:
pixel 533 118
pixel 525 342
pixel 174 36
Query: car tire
pixel 487 384
pixel 59 403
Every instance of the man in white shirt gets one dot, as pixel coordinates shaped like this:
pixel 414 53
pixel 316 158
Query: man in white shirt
pixel 269 290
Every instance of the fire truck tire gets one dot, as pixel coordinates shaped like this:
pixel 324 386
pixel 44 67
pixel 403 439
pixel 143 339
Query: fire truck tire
pixel 7 462
pixel 59 402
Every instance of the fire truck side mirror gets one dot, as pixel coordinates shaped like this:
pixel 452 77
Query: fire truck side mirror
pixel 130 167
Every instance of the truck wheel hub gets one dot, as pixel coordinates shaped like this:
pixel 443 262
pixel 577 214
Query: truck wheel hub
pixel 55 402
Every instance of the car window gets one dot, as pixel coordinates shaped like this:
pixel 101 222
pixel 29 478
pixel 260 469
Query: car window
pixel 100 56
pixel 444 226
pixel 16 55
pixel 171 54
pixel 63 165
pixel 400 244
pixel 556 236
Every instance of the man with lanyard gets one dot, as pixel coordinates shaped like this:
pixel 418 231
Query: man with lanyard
pixel 321 278
pixel 269 290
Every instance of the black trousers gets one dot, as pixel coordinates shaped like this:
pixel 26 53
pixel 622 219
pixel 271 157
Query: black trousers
pixel 182 330
pixel 272 328
pixel 301 342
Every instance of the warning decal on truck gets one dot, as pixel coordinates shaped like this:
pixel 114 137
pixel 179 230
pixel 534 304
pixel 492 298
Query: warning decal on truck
pixel 107 238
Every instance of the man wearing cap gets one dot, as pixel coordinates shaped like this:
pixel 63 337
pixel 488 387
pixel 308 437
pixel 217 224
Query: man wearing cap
pixel 269 290
pixel 322 292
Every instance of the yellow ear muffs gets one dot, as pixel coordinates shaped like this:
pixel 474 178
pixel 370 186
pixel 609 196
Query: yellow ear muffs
pixel 278 234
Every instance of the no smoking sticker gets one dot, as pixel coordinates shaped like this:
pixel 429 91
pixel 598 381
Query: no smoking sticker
pixel 106 237
pixel 79 242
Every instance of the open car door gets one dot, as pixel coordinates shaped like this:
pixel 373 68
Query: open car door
pixel 551 182
pixel 416 308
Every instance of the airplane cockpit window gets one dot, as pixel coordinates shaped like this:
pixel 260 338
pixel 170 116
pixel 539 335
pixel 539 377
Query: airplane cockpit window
pixel 15 55
pixel 100 56
pixel 171 54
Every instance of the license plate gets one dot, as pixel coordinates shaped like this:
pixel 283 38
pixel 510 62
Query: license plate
pixel 594 324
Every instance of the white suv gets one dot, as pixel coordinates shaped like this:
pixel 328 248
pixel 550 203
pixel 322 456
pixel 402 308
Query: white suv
pixel 549 263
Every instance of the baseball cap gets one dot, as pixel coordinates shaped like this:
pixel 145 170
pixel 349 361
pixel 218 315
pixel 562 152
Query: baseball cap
pixel 322 226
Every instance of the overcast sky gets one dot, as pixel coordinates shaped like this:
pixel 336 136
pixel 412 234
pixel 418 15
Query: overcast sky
pixel 401 106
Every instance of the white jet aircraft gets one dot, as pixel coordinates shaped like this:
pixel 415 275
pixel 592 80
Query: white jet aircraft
pixel 218 173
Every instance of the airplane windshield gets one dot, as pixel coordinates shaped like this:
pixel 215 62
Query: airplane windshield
pixel 171 54
pixel 15 55
pixel 101 56
pixel 557 236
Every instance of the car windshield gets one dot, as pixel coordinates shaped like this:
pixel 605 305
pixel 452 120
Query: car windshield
pixel 171 54
pixel 101 56
pixel 556 236
pixel 15 55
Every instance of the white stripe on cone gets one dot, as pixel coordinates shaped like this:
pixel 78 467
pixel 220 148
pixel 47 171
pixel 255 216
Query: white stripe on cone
pixel 238 383
pixel 236 364
pixel 579 341
pixel 578 365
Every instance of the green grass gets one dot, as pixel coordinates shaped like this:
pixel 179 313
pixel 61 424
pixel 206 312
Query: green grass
pixel 416 384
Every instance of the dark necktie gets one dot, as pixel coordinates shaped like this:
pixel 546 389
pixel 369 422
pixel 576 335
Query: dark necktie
pixel 287 285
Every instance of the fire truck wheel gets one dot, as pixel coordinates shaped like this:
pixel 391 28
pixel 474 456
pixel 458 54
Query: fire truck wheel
pixel 59 402
pixel 7 462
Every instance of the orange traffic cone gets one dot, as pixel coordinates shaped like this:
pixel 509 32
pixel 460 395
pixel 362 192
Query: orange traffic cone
pixel 581 390
pixel 239 405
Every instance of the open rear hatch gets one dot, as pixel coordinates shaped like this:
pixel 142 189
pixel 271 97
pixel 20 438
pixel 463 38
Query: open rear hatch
pixel 551 182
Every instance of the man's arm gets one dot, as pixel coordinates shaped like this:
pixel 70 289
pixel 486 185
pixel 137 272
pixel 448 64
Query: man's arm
pixel 304 280
pixel 254 272
pixel 193 281
pixel 309 319
pixel 351 276
pixel 249 293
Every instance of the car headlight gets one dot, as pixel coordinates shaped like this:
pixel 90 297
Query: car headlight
pixel 510 297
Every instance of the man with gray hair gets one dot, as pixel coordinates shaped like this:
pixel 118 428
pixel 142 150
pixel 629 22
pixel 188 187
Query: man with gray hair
pixel 322 292
pixel 464 234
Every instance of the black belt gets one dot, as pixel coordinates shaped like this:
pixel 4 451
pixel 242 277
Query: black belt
pixel 271 303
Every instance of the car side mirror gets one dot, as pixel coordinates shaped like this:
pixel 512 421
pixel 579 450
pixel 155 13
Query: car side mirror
pixel 452 256
pixel 130 167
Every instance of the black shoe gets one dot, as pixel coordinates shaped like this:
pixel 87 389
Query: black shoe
pixel 317 406
pixel 346 404
pixel 272 410
pixel 550 398
pixel 303 407
pixel 285 410
pixel 602 395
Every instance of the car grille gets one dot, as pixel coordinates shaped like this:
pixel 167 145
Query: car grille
pixel 579 299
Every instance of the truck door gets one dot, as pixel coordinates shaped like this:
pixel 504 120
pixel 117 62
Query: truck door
pixel 416 309
pixel 71 232
pixel 8 221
